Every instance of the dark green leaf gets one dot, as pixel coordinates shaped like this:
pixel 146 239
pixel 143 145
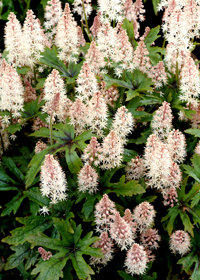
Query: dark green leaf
pixel 40 239
pixel 14 169
pixel 52 268
pixel 23 70
pixel 88 206
pixel 49 58
pixel 34 194
pixel 31 226
pixel 73 160
pixel 188 261
pixel 129 27
pixel 152 36
pixel 122 188
pixel 193 131
pixel 188 226
pixel 115 82
pixel 7 183
pixel 191 172
pixel 13 205
pixel 21 252
pixel 129 154
pixel 83 270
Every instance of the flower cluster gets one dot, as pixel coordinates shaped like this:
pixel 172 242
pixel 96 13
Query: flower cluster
pixel 123 232
pixel 180 242
pixel 53 182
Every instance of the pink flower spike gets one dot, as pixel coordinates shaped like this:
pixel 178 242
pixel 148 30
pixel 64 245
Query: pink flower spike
pixel 53 181
pixel 180 242
pixel 136 260
pixel 121 232
pixel 44 254
pixel 106 245
pixel 88 179
pixel 104 213
pixel 150 239
pixel 144 215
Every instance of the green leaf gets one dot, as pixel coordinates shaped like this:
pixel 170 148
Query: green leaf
pixel 13 205
pixel 193 131
pixel 49 58
pixel 73 70
pixel 196 273
pixel 7 183
pixel 131 94
pixel 12 129
pixel 80 139
pixel 40 239
pixel 129 154
pixel 77 234
pixel 36 162
pixel 191 172
pixel 155 6
pixel 34 194
pixel 155 54
pixel 64 227
pixel 188 226
pixel 31 109
pixel 52 268
pixel 152 36
pixel 188 261
pixel 115 82
pixel 42 132
pixel 21 252
pixel 195 189
pixel 14 169
pixel 126 276
pixel 23 70
pixel 151 99
pixel 172 214
pixel 73 160
pixel 88 206
pixel 122 188
pixel 83 270
pixel 40 83
pixel 129 27
pixel 141 81
pixel 31 260
pixel 31 226
pixel 196 163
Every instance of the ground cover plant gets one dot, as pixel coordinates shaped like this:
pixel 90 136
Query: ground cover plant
pixel 99 142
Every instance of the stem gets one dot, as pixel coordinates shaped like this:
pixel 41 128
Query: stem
pixel 124 75
pixel 177 75
pixel 53 212
pixel 2 143
pixel 86 22
pixel 50 127
pixel 35 80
